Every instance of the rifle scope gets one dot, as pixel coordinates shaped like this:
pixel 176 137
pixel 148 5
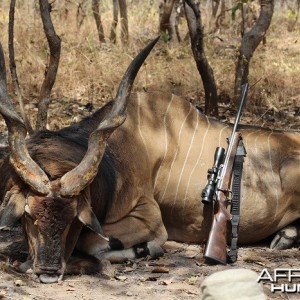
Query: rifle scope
pixel 212 176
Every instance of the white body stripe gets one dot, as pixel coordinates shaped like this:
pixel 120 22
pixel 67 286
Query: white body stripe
pixel 273 175
pixel 166 140
pixel 186 158
pixel 197 162
pixel 139 125
pixel 176 153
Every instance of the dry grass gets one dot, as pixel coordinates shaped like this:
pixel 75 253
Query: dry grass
pixel 89 73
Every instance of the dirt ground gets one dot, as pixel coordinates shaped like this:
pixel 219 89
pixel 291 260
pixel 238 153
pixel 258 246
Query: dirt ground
pixel 176 275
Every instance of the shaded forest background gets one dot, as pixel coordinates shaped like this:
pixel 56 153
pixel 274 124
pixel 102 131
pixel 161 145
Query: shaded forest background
pixel 89 71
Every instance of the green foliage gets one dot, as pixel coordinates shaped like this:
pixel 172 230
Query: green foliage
pixel 165 37
pixel 292 14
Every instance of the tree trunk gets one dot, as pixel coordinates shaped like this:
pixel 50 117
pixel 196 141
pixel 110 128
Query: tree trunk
pixel 124 21
pixel 168 20
pixel 97 17
pixel 193 17
pixel 122 6
pixel 221 17
pixel 54 43
pixel 114 24
pixel 81 13
pixel 212 20
pixel 164 16
pixel 250 42
pixel 174 22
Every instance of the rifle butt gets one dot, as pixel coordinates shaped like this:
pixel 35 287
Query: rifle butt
pixel 216 247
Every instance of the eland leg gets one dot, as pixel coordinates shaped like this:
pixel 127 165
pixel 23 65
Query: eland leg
pixel 139 233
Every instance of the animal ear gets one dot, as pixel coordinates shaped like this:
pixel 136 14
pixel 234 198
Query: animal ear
pixel 87 217
pixel 13 210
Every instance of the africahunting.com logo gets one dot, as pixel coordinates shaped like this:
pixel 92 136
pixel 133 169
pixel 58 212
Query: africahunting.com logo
pixel 283 280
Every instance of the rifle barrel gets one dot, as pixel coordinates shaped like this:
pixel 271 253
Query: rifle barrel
pixel 242 102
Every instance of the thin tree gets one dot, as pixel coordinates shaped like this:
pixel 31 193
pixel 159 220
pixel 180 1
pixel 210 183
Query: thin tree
pixel 168 20
pixel 221 17
pixel 81 13
pixel 97 17
pixel 214 10
pixel 119 5
pixel 54 43
pixel 193 17
pixel 250 41
pixel 124 21
pixel 12 65
pixel 113 30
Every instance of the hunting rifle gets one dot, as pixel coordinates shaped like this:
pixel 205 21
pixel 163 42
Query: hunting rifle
pixel 218 188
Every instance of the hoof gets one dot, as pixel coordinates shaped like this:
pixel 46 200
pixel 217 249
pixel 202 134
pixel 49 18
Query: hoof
pixel 285 238
pixel 155 250
pixel 25 267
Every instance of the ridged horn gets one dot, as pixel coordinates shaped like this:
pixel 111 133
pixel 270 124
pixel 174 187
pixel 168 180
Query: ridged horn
pixel 20 159
pixel 73 182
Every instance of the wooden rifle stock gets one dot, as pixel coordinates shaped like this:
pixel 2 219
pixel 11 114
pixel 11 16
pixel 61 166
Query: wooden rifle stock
pixel 216 250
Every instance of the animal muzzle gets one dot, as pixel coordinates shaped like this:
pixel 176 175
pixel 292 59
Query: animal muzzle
pixel 48 274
